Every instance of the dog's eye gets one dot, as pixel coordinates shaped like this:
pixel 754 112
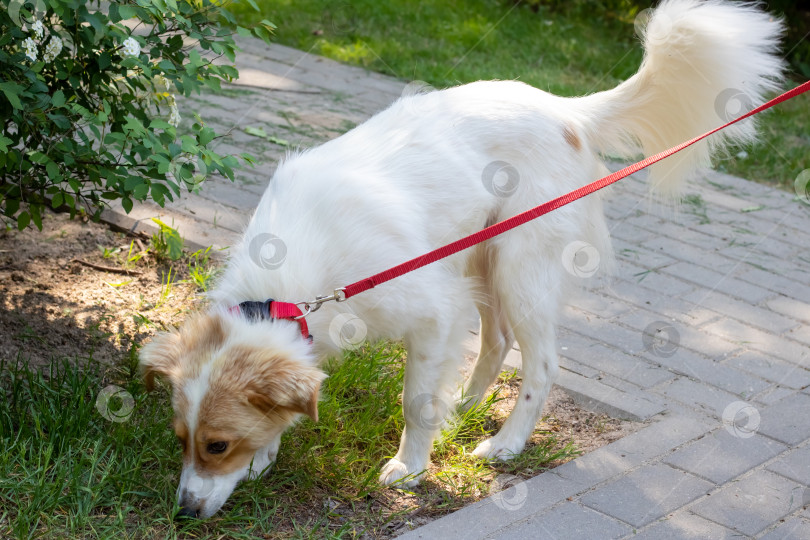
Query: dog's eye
pixel 217 447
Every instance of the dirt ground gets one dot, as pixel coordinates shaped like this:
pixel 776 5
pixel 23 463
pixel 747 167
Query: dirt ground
pixel 54 305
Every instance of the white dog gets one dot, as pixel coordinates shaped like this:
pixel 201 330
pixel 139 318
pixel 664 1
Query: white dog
pixel 430 169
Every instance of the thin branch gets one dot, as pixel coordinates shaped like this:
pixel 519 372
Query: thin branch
pixel 108 268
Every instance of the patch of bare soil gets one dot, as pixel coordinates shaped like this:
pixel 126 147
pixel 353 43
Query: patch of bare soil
pixel 52 305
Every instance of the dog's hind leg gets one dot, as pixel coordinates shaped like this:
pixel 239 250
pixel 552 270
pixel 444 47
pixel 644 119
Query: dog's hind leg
pixel 434 354
pixel 530 294
pixel 496 340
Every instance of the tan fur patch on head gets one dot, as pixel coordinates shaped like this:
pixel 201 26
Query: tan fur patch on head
pixel 253 394
pixel 180 354
pixel 571 138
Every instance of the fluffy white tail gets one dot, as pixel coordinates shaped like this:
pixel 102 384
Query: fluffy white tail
pixel 704 64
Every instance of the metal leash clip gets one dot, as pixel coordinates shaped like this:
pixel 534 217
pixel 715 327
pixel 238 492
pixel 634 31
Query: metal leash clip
pixel 310 306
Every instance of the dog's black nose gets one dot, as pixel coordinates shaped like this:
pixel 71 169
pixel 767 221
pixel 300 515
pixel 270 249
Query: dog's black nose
pixel 186 512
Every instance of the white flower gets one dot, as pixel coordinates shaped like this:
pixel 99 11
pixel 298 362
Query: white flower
pixel 174 115
pixel 38 29
pixel 161 83
pixel 30 48
pixel 52 49
pixel 131 47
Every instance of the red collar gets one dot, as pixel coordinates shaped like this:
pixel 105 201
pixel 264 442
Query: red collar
pixel 270 309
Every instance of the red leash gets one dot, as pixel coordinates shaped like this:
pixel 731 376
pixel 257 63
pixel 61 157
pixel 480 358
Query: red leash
pixel 536 212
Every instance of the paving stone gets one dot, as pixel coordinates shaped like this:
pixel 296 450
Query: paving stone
pixel 715 373
pixel 717 281
pixel 485 517
pixel 570 521
pixel 793 288
pixel 794 465
pixel 800 334
pixel 797 528
pixel 721 456
pixel 603 331
pixel 773 394
pixel 743 311
pixel 634 369
pixel 632 450
pixel 790 307
pixel 751 504
pixel 772 369
pixel 787 420
pixel 654 284
pixel 698 395
pixel 683 251
pixel 684 525
pixel 595 396
pixel 605 306
pixel 762 341
pixel 668 307
pixel 646 494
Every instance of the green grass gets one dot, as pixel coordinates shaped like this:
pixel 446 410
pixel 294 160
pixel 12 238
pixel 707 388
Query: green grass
pixel 571 50
pixel 66 471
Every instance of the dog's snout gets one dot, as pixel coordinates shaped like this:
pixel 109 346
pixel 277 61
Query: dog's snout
pixel 188 512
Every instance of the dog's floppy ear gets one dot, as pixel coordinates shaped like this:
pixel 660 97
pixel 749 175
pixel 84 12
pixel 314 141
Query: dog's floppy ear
pixel 283 384
pixel 160 357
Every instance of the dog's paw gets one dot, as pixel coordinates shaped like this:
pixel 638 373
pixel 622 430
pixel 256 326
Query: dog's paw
pixel 395 473
pixel 495 449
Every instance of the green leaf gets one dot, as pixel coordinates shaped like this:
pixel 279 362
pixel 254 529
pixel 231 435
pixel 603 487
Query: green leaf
pixel 53 171
pixel 57 200
pixel 11 91
pixel 126 202
pixel 4 142
pixel 206 136
pixel 58 98
pixel 126 12
pixel 104 60
pixel 36 215
pixel 23 219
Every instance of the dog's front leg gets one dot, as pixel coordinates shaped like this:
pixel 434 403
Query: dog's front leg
pixel 426 401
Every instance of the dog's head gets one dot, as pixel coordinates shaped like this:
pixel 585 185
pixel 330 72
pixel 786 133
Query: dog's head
pixel 237 385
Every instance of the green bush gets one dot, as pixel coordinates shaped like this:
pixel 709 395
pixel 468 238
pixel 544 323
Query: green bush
pixel 87 102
